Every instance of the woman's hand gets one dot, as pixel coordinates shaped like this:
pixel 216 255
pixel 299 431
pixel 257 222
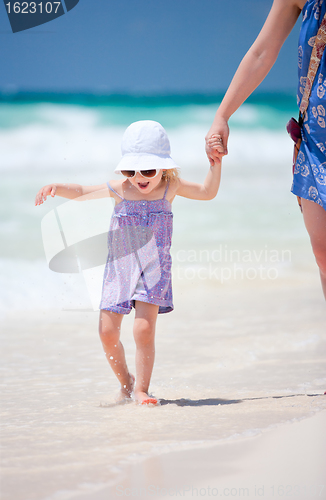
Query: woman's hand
pixel 252 70
pixel 44 192
pixel 217 140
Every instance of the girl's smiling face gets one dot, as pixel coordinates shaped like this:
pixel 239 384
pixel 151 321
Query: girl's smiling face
pixel 146 184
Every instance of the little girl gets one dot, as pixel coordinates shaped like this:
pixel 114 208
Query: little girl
pixel 138 268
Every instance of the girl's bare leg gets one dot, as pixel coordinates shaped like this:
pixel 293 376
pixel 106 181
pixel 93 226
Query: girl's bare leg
pixel 109 329
pixel 144 335
pixel 315 220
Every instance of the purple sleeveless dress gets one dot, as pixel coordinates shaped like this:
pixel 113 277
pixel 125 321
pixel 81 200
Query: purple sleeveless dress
pixel 138 266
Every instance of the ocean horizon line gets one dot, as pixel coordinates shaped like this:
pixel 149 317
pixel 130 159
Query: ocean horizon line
pixel 155 99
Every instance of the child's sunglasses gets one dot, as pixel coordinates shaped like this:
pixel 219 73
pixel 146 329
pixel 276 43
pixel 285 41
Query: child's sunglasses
pixel 149 174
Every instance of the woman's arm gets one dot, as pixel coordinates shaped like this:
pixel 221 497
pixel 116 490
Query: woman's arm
pixel 70 191
pixel 253 68
pixel 205 191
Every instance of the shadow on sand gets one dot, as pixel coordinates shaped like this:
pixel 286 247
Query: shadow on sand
pixel 217 402
pixel 199 402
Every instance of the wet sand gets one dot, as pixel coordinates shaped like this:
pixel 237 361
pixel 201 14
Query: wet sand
pixel 239 370
pixel 285 461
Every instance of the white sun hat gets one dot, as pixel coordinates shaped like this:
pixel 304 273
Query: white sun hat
pixel 145 145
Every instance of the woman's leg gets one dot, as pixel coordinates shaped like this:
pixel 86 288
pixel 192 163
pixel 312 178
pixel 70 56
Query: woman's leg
pixel 109 329
pixel 315 220
pixel 144 334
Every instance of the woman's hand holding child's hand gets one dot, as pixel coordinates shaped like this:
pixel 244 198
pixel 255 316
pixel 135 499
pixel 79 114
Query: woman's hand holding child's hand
pixel 44 192
pixel 217 141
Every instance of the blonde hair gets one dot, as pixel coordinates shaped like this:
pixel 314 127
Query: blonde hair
pixel 170 175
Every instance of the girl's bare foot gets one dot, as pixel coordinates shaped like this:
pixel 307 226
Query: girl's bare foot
pixel 126 390
pixel 143 398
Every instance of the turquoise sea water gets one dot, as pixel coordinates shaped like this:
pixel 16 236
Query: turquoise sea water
pixel 76 138
pixel 175 110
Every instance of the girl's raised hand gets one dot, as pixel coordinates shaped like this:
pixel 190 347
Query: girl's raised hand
pixel 44 192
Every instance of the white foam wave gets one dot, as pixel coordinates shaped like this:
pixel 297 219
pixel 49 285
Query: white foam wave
pixel 52 146
pixel 76 138
pixel 30 285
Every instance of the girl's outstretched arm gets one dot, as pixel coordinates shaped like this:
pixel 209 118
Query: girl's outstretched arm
pixel 70 191
pixel 207 190
pixel 253 68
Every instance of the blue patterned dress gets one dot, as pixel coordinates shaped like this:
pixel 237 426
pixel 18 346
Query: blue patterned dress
pixel 309 180
pixel 139 263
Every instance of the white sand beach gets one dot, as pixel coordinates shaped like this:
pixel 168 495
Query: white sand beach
pixel 285 461
pixel 240 373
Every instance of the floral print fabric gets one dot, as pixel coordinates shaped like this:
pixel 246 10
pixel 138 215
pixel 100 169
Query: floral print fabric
pixel 309 180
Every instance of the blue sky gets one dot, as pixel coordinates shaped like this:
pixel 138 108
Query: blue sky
pixel 141 46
